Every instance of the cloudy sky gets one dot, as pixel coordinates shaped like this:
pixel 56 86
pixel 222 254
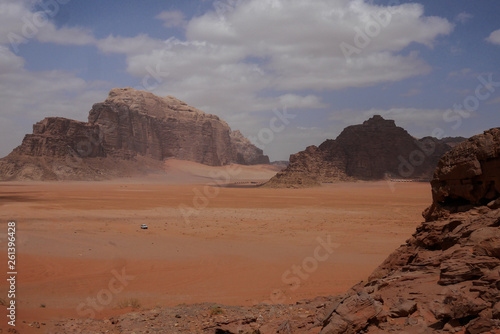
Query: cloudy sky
pixel 287 73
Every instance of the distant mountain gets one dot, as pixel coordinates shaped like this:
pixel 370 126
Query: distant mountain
pixel 130 133
pixel 374 150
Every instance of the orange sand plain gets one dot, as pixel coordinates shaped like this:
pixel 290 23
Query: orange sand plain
pixel 81 253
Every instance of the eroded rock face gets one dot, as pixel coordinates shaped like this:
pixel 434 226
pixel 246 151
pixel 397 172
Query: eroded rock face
pixel 446 278
pixel 310 167
pixel 373 150
pixel 130 125
pixel 246 152
pixel 139 123
pixel 467 176
pixel 56 136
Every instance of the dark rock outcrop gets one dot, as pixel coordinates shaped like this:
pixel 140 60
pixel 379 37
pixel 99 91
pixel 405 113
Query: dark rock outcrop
pixel 129 126
pixel 55 136
pixel 373 150
pixel 467 176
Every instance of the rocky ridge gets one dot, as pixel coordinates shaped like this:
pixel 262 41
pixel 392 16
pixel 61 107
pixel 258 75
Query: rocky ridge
pixel 374 150
pixel 128 128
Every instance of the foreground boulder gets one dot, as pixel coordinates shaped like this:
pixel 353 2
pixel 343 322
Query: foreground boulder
pixel 130 127
pixel 374 150
pixel 467 176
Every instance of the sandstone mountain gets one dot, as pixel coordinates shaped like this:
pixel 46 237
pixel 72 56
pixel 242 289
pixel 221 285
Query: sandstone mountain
pixel 445 279
pixel 131 132
pixel 370 151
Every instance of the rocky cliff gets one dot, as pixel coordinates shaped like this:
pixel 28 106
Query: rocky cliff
pixel 130 126
pixel 246 152
pixel 373 150
pixel 467 176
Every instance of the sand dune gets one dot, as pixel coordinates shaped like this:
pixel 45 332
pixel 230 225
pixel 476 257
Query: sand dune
pixel 204 243
pixel 182 172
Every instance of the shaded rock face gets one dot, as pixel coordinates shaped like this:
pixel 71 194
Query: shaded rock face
pixel 246 152
pixel 378 147
pixel 130 125
pixel 446 278
pixel 139 123
pixel 369 151
pixel 311 167
pixel 55 137
pixel 467 176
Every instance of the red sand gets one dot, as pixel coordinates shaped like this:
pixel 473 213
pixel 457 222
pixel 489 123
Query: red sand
pixel 75 241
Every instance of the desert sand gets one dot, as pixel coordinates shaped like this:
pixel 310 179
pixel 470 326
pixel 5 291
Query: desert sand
pixel 81 252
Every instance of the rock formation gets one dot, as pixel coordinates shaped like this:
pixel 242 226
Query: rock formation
pixel 55 136
pixel 312 166
pixel 129 126
pixel 369 151
pixel 246 152
pixel 467 176
pixel 446 278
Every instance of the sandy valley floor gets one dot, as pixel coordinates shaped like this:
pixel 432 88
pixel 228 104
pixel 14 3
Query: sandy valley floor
pixel 81 253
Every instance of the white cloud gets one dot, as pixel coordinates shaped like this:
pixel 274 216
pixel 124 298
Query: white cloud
pixel 302 102
pixel 9 62
pixel 233 54
pixel 28 97
pixel 65 35
pixel 173 18
pixel 240 61
pixel 130 46
pixel 20 24
pixel 11 18
pixel 463 17
pixel 463 72
pixel 494 37
pixel 295 45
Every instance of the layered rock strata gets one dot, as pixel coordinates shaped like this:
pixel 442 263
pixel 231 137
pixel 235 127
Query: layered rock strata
pixel 128 126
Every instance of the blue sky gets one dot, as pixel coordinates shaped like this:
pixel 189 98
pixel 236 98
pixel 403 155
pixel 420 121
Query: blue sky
pixel 433 66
